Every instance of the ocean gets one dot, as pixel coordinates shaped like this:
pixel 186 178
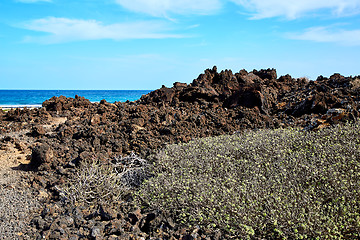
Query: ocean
pixel 34 98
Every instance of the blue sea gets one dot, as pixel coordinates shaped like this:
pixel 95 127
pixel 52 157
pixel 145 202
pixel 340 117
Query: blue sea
pixel 34 98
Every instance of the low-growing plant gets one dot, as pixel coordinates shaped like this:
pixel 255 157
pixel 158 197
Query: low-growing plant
pixel 277 184
pixel 98 183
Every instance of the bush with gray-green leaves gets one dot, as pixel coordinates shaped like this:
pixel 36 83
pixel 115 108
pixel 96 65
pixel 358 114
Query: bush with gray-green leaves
pixel 282 183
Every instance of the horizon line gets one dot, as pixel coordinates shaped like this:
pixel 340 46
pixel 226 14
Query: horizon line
pixel 76 89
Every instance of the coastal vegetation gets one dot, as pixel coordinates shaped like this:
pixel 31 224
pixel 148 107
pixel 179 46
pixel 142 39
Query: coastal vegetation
pixel 97 183
pixel 275 184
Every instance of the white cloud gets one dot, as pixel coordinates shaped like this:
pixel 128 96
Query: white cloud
pixel 326 34
pixel 292 9
pixel 33 1
pixel 68 30
pixel 162 8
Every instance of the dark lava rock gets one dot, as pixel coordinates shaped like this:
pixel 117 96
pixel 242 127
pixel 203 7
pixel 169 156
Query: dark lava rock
pixel 61 103
pixel 215 103
pixel 38 130
pixel 42 154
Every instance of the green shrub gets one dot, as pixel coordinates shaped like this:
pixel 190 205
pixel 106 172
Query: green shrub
pixel 269 183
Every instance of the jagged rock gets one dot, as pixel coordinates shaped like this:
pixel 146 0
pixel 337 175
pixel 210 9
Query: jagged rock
pixel 195 93
pixel 58 104
pixel 107 214
pixel 214 103
pixel 163 94
pixel 179 85
pixel 269 74
pixel 38 130
pixel 42 154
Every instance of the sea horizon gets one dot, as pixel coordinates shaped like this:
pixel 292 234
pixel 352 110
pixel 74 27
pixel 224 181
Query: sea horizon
pixel 11 98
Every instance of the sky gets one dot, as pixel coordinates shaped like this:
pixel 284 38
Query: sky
pixel 144 44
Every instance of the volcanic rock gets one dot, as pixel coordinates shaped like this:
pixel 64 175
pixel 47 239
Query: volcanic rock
pixel 42 155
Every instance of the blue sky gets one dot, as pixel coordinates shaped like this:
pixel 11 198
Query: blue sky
pixel 143 44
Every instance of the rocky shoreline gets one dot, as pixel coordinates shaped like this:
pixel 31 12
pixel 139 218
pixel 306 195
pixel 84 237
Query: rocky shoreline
pixel 68 131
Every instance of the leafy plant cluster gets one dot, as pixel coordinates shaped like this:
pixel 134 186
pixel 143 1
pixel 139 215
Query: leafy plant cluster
pixel 277 184
pixel 97 183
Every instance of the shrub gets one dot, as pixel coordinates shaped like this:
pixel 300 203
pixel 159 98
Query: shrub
pixel 96 183
pixel 269 183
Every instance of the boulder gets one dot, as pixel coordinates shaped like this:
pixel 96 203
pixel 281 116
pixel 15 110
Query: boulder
pixel 59 104
pixel 38 130
pixel 42 155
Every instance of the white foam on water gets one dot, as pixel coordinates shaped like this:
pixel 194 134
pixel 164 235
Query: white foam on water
pixel 20 106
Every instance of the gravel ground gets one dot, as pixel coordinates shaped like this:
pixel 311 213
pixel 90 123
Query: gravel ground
pixel 17 199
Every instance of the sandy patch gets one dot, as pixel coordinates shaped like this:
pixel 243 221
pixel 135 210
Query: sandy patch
pixel 54 122
pixel 11 156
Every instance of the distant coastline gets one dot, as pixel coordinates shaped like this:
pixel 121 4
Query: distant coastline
pixel 34 98
pixel 4 107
